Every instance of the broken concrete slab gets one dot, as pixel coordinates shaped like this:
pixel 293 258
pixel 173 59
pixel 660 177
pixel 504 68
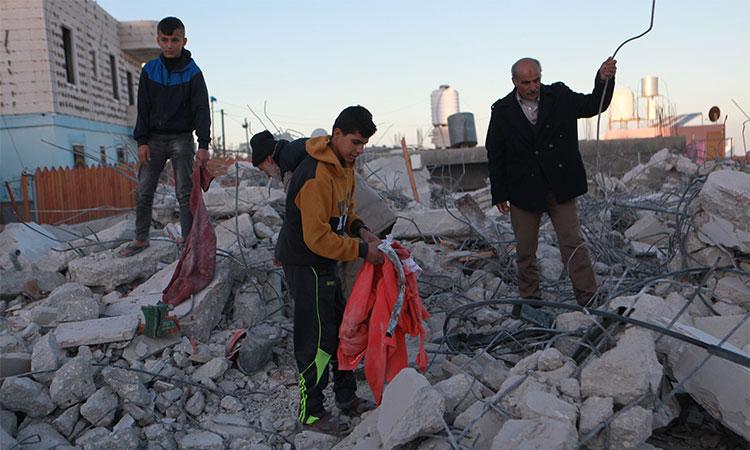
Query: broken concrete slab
pixel 96 331
pixel 226 235
pixel 128 386
pixel 648 229
pixel 66 421
pixel 211 370
pixel 74 381
pixel 27 396
pixel 267 214
pixel 720 386
pixel 142 347
pixel 571 322
pixel 6 441
pixel 229 426
pixel 544 404
pixel 100 408
pixel 12 364
pixel 73 301
pixel 35 283
pixel 263 231
pixel 550 264
pixel 410 408
pixel 41 436
pixel 626 372
pixel 594 411
pixel 734 289
pixel 715 230
pixel 460 391
pixel 726 193
pixel 23 244
pixel 257 348
pixel 541 433
pixel 314 441
pixel 631 428
pixel 198 314
pixel 201 440
pixel 8 422
pixel 364 436
pixel 425 223
pixel 481 421
pixel 108 269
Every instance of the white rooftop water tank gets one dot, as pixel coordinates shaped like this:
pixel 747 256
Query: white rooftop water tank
pixel 444 101
pixel 623 105
pixel 649 86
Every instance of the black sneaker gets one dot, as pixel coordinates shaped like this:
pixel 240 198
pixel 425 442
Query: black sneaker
pixel 329 424
pixel 356 407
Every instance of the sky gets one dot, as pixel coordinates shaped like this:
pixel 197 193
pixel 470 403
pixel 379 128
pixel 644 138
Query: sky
pixel 310 59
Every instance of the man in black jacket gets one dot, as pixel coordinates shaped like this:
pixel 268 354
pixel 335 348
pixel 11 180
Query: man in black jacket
pixel 172 103
pixel 535 165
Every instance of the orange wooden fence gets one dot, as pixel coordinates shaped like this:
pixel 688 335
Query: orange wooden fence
pixel 67 195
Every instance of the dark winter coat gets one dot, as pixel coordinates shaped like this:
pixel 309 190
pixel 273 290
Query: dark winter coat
pixel 173 102
pixel 527 162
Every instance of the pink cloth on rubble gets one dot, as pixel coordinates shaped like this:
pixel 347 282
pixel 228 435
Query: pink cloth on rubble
pixel 198 260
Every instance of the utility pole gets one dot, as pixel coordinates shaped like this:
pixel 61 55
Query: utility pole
pixel 223 136
pixel 246 126
pixel 213 129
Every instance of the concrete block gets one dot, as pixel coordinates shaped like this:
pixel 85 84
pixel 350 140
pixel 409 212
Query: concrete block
pixel 96 331
pixel 12 364
pixel 626 372
pixel 74 381
pixel 410 408
pixel 541 433
pixel 107 269
pixel 27 396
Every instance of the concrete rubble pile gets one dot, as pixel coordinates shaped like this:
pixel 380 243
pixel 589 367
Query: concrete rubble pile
pixel 670 242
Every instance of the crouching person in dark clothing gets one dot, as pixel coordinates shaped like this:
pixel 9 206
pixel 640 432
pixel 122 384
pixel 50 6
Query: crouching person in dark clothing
pixel 172 103
pixel 321 229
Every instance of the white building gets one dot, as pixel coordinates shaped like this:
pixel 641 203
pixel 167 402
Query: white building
pixel 68 75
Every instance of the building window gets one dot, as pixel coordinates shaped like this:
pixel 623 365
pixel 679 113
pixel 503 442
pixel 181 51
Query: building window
pixel 113 71
pixel 103 155
pixel 70 72
pixel 95 63
pixel 79 157
pixel 131 97
pixel 120 155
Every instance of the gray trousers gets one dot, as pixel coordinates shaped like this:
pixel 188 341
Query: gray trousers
pixel 180 148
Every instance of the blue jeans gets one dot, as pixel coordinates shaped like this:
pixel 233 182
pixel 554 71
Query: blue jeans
pixel 180 148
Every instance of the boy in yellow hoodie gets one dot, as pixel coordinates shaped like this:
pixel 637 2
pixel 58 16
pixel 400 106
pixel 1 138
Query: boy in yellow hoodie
pixel 320 229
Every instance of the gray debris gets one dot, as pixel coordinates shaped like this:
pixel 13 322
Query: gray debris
pixel 27 396
pixel 411 407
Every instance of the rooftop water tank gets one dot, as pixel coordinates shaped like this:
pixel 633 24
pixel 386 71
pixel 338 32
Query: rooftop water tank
pixel 462 130
pixel 623 105
pixel 444 101
pixel 649 86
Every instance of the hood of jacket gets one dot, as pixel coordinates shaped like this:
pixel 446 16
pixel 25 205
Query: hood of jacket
pixel 320 149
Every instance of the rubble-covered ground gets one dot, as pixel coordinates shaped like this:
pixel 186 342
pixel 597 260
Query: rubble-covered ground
pixel 658 360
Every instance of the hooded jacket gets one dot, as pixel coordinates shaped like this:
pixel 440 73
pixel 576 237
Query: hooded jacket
pixel 319 210
pixel 172 102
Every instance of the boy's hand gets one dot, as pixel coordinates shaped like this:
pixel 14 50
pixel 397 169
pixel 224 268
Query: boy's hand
pixel 202 157
pixel 374 256
pixel 368 236
pixel 144 155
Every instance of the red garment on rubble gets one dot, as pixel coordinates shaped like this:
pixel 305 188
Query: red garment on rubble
pixel 363 328
pixel 196 266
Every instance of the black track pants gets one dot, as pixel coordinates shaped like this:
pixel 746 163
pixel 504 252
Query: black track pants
pixel 318 310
